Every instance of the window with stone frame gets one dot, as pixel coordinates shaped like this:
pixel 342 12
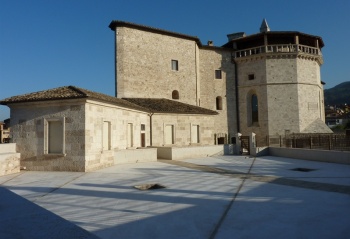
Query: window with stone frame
pixel 54 136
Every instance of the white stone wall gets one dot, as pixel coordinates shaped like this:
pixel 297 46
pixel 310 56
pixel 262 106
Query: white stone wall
pixel 212 59
pixel 96 114
pixel 246 89
pixel 182 129
pixel 29 133
pixel 143 65
pixel 289 91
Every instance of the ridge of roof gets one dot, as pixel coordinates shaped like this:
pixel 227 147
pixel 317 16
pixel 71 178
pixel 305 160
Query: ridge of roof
pixel 162 105
pixel 69 92
pixel 118 23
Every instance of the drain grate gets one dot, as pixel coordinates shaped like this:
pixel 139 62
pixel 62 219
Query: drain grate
pixel 150 186
pixel 303 169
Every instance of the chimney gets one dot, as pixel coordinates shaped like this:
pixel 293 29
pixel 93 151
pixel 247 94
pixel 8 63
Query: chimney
pixel 210 43
pixel 236 35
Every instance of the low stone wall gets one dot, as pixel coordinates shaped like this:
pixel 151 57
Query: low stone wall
pixel 329 156
pixel 176 153
pixel 9 159
pixel 135 155
pixel 53 163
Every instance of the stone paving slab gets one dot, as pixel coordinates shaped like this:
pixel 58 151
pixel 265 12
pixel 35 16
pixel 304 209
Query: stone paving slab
pixel 218 197
pixel 22 219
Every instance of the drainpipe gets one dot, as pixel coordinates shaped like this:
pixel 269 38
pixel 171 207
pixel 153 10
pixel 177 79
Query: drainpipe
pixel 237 98
pixel 150 127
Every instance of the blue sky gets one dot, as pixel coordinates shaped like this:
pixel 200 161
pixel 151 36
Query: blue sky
pixel 46 44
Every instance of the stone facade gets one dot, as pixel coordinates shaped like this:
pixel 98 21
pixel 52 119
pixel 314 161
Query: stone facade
pixel 211 59
pixel 97 134
pixel 182 127
pixel 83 133
pixel 30 122
pixel 173 91
pixel 144 70
pixel 144 65
pixel 280 69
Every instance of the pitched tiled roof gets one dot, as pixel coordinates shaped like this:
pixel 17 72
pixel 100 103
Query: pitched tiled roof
pixel 156 105
pixel 142 104
pixel 69 92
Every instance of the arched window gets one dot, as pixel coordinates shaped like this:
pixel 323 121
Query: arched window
pixel 254 109
pixel 219 103
pixel 175 95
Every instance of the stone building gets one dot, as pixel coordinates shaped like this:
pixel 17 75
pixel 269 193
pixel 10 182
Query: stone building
pixel 268 83
pixel 173 95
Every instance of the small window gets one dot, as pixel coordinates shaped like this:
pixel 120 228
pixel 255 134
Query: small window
pixel 218 74
pixel 143 127
pixel 219 103
pixel 175 95
pixel 251 77
pixel 174 65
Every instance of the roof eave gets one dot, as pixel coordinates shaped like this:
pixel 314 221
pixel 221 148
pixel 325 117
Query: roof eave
pixel 116 23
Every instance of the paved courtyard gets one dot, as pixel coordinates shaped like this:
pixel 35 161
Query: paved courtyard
pixel 215 197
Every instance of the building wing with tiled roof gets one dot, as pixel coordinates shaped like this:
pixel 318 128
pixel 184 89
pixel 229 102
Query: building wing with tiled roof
pixel 142 104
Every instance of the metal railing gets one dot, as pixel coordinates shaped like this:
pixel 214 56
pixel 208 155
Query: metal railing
pixel 338 142
pixel 281 48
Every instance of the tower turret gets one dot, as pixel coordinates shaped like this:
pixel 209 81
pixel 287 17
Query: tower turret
pixel 264 27
pixel 279 82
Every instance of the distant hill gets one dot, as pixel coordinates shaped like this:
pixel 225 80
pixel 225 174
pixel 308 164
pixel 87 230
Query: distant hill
pixel 338 95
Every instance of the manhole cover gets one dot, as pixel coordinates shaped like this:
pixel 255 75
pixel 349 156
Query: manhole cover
pixel 150 186
pixel 303 169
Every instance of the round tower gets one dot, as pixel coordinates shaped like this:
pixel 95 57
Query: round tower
pixel 279 84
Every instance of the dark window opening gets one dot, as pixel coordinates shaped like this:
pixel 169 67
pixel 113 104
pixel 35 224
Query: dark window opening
pixel 175 95
pixel 221 140
pixel 218 74
pixel 219 103
pixel 255 109
pixel 251 77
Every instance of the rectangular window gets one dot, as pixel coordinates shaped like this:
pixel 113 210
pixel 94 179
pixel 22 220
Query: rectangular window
pixel 143 127
pixel 169 134
pixel 106 134
pixel 251 77
pixel 218 74
pixel 194 134
pixel 174 65
pixel 54 136
pixel 130 136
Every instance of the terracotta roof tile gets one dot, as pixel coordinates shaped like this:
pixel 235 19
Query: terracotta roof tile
pixel 156 105
pixel 69 92
pixel 142 104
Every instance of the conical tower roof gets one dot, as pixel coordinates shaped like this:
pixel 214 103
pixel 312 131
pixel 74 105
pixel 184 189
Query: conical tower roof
pixel 264 27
